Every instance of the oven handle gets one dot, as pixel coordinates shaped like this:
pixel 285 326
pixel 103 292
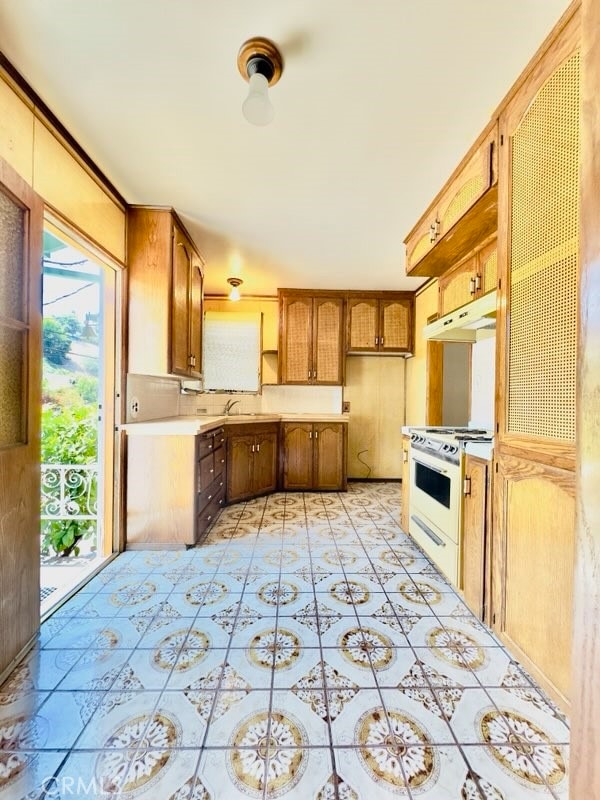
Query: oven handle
pixel 426 529
pixel 430 466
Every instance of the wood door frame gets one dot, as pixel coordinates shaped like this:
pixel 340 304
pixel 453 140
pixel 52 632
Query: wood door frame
pixel 20 463
pixel 585 754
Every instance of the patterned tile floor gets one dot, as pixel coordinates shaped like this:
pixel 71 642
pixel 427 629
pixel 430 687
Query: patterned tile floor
pixel 306 650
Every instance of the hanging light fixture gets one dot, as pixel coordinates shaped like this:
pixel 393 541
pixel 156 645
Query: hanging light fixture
pixel 235 283
pixel 260 63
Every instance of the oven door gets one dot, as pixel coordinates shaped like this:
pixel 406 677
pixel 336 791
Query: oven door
pixel 435 492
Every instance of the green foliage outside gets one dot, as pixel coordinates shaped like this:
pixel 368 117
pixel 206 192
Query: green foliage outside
pixel 58 335
pixel 69 436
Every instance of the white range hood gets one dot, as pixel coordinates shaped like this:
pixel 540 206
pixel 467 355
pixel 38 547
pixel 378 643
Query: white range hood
pixel 470 323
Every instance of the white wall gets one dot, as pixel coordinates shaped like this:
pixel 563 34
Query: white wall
pixel 455 399
pixel 483 383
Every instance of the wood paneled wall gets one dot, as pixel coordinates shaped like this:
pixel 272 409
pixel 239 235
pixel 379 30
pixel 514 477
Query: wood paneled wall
pixel 585 742
pixel 375 389
pixel 51 169
pixel 426 304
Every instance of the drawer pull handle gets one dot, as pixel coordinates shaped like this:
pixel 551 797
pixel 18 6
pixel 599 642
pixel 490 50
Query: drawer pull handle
pixel 211 470
pixel 221 502
pixel 210 446
pixel 210 496
pixel 222 440
pixel 208 519
pixel 222 461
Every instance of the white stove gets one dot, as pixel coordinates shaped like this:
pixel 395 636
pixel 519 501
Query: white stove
pixel 436 472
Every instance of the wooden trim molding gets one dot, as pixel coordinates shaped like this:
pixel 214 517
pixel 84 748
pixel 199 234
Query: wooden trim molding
pixel 56 125
pixel 585 724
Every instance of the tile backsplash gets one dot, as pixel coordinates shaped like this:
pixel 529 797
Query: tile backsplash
pixel 149 397
pixel 274 399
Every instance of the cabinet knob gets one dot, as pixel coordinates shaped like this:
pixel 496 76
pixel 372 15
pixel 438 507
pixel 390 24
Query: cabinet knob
pixel 222 440
pixel 222 461
pixel 210 496
pixel 208 519
pixel 211 470
pixel 210 447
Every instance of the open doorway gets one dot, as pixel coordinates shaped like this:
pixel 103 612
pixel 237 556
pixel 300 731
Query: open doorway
pixel 78 376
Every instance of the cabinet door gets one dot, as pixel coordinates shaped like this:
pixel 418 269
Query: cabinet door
pixel 474 178
pixel 475 499
pixel 239 468
pixel 405 516
pixel 297 456
pixel 534 551
pixel 328 360
pixel 421 239
pixel 180 321
pixel 265 463
pixel 330 451
pixel 458 286
pixel 395 326
pixel 363 325
pixel 296 346
pixel 195 368
pixel 487 269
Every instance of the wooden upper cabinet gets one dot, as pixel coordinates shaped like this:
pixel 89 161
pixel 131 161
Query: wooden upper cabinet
pixel 311 338
pixel 328 331
pixel 182 267
pixel 464 212
pixel 395 326
pixel 363 325
pixel 165 295
pixel 380 323
pixel 473 277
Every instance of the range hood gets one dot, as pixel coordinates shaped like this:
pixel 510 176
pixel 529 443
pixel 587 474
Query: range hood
pixel 470 323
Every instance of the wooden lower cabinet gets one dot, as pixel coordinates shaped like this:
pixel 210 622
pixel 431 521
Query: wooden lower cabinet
pixel 475 514
pixel 533 557
pixel 252 462
pixel 313 456
pixel 175 487
pixel 404 515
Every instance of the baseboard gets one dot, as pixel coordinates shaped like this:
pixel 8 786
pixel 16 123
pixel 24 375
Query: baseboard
pixel 18 658
pixel 374 480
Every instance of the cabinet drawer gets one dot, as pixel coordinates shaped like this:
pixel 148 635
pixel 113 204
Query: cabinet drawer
pixel 206 472
pixel 209 513
pixel 219 456
pixel 206 445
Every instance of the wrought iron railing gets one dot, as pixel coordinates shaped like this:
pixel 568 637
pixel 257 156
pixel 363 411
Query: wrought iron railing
pixel 69 491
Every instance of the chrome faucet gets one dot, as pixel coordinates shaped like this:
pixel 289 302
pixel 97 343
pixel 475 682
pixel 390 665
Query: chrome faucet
pixel 228 406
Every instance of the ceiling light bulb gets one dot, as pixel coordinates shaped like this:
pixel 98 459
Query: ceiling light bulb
pixel 235 284
pixel 257 107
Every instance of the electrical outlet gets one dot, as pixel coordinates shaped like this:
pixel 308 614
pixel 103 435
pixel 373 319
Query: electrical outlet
pixel 346 407
pixel 134 407
pixel 201 411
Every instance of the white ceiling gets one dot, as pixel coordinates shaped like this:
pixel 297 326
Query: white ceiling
pixel 377 103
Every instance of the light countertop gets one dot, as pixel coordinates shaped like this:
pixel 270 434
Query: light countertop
pixel 190 426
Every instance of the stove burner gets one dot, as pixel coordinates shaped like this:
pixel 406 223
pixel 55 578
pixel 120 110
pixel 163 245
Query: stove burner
pixel 465 437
